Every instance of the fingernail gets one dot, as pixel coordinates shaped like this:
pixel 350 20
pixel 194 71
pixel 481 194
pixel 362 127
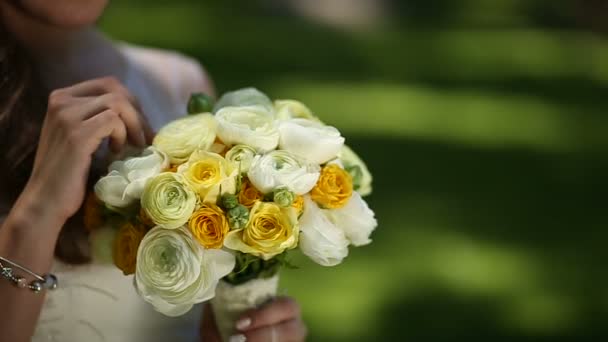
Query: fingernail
pixel 237 338
pixel 243 323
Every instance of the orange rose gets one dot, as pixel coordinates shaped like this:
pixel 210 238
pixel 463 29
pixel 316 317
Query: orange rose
pixel 92 212
pixel 209 226
pixel 249 194
pixel 145 219
pixel 334 187
pixel 125 247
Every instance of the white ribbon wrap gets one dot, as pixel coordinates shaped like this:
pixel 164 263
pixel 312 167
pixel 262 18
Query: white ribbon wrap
pixel 231 301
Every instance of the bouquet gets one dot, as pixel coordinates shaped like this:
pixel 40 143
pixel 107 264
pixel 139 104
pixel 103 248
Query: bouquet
pixel 210 210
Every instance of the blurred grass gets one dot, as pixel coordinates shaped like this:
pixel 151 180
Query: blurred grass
pixel 486 135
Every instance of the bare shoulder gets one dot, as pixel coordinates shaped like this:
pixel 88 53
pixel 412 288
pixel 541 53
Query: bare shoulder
pixel 181 75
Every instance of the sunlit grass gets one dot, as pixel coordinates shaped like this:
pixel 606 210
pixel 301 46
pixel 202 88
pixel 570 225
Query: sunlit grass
pixel 461 116
pixel 459 54
pixel 539 313
pixel 446 54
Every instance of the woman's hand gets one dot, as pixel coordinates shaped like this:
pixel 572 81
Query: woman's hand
pixel 77 121
pixel 277 321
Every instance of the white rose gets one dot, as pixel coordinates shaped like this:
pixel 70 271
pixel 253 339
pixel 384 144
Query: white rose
pixel 292 109
pixel 320 239
pixel 174 272
pixel 356 220
pixel 181 137
pixel 362 178
pixel 241 157
pixel 281 169
pixel 252 126
pixel 312 140
pixel 244 98
pixel 125 183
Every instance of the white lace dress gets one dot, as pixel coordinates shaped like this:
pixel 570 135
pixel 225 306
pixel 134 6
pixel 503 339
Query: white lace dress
pixel 96 302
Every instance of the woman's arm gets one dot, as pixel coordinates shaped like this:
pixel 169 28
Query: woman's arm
pixel 28 237
pixel 77 121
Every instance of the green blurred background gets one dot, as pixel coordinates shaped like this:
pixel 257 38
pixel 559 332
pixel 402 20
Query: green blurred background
pixel 485 124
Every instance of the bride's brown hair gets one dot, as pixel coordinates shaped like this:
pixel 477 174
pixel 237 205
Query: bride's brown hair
pixel 22 110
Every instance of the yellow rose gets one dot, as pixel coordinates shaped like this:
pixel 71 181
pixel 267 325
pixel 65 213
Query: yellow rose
pixel 298 204
pixel 125 248
pixel 270 231
pixel 208 173
pixel 92 212
pixel 209 226
pixel 249 195
pixel 334 188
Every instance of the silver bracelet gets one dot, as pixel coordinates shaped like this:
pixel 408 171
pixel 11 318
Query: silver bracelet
pixel 47 281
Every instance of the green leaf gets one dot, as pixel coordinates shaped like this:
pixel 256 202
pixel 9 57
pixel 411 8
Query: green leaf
pixel 357 174
pixel 249 267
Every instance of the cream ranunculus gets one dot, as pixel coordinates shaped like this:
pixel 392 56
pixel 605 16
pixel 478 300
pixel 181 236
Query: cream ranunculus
pixel 292 109
pixel 181 137
pixel 362 178
pixel 356 220
pixel 168 200
pixel 281 169
pixel 241 157
pixel 125 183
pixel 311 140
pixel 244 97
pixel 320 239
pixel 208 173
pixel 174 272
pixel 270 231
pixel 253 126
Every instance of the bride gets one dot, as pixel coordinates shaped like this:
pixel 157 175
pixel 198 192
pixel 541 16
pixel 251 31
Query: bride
pixel 65 90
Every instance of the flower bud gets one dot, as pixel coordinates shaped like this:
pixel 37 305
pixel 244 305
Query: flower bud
pixel 283 197
pixel 230 201
pixel 238 217
pixel 200 103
